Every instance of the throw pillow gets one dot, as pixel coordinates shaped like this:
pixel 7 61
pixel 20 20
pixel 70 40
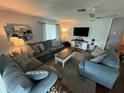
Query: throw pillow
pixel 98 51
pixel 37 75
pixel 98 58
pixel 33 65
pixel 41 46
pixel 36 48
pixel 54 43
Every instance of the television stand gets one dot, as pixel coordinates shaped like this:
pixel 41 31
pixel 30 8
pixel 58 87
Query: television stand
pixel 79 42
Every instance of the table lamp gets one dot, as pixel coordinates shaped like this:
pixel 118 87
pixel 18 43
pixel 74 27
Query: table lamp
pixel 18 42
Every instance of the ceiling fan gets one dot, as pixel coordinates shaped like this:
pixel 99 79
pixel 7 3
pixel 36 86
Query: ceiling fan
pixel 92 15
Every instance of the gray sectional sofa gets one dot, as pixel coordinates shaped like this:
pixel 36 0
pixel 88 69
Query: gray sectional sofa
pixel 105 72
pixel 17 82
pixel 49 51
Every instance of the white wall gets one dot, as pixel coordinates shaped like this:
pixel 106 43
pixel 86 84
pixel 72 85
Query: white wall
pixel 116 32
pixel 99 29
pixel 11 17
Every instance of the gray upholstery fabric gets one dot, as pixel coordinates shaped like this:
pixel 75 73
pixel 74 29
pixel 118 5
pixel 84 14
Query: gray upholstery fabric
pixel 26 62
pixel 53 48
pixel 50 69
pixel 43 53
pixel 44 85
pixel 6 61
pixel 16 81
pixel 103 74
pixel 33 65
pixel 37 75
pixel 98 58
pixel 47 44
pixel 36 48
pixel 98 51
pixel 22 59
pixel 49 50
pixel 41 46
pixel 111 59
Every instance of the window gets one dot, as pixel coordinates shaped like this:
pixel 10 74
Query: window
pixel 50 31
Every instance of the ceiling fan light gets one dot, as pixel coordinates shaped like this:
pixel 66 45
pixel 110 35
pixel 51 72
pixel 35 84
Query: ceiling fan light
pixel 93 9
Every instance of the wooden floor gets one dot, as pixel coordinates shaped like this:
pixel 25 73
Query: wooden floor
pixel 118 86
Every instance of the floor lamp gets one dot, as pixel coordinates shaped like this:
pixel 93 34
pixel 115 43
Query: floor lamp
pixel 64 33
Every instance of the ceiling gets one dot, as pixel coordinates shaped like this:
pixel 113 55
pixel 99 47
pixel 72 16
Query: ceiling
pixel 63 9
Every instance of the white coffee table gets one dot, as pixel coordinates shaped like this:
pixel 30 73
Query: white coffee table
pixel 64 55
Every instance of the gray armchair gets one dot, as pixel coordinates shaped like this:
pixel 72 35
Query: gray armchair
pixel 105 72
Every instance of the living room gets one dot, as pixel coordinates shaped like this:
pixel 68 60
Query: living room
pixel 49 20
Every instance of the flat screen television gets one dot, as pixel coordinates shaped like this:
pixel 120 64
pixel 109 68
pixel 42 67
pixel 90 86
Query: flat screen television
pixel 81 31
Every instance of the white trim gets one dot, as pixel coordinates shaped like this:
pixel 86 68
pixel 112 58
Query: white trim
pixel 63 61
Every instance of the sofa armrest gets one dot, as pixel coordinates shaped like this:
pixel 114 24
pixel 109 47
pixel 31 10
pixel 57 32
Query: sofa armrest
pixel 44 85
pixel 91 66
pixel 102 74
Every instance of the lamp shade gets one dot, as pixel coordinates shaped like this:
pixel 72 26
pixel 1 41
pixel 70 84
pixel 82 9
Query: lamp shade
pixel 17 42
pixel 21 42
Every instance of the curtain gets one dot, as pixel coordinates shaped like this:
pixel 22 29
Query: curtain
pixel 50 30
pixel 43 30
pixel 58 31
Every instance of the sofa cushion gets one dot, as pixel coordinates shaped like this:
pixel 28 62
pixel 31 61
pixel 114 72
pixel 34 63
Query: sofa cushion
pixel 16 81
pixel 37 75
pixel 97 51
pixel 98 58
pixel 41 46
pixel 36 48
pixel 33 65
pixel 111 59
pixel 22 59
pixel 55 43
pixel 26 62
pixel 47 44
pixel 53 49
pixel 42 54
pixel 6 61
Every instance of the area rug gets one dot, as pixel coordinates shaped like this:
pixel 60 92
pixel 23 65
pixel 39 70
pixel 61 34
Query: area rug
pixel 71 77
